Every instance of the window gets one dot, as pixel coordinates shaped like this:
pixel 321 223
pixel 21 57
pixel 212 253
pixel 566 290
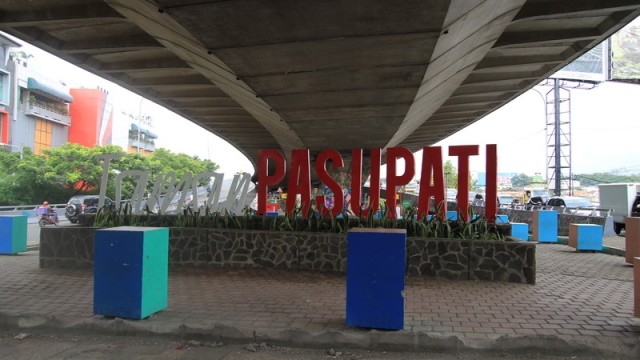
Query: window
pixel 4 88
pixel 42 141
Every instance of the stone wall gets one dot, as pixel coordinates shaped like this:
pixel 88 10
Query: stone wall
pixel 510 261
pixel 66 247
pixel 514 261
pixel 438 258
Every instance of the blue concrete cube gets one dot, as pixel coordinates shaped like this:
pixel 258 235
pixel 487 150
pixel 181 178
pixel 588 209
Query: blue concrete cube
pixel 585 236
pixel 376 262
pixel 545 226
pixel 520 231
pixel 452 215
pixel 13 234
pixel 131 271
pixel 502 219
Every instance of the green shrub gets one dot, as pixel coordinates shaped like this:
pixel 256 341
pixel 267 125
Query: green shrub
pixel 425 227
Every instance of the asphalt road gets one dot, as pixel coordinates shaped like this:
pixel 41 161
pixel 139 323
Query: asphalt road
pixel 17 345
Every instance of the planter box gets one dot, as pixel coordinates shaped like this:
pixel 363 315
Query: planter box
pixel 511 260
pixel 545 226
pixel 375 278
pixel 636 287
pixel 631 238
pixel 130 271
pixel 585 237
pixel 520 231
pixel 13 234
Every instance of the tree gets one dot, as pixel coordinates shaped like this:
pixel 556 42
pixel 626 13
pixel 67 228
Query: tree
pixel 164 161
pixel 73 169
pixel 76 168
pixel 450 175
pixel 521 180
pixel 23 181
pixel 8 187
pixel 606 178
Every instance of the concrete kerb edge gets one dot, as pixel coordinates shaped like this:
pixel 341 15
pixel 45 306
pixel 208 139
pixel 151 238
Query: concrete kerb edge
pixel 609 250
pixel 351 338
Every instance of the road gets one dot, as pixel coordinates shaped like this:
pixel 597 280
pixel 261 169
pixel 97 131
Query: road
pixel 40 346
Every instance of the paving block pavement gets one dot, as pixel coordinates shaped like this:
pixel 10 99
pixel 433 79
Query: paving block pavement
pixel 582 303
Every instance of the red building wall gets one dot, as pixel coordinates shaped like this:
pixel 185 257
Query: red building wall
pixel 91 117
pixel 4 130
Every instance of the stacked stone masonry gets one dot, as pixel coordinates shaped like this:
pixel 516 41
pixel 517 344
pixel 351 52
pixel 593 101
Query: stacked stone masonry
pixel 512 261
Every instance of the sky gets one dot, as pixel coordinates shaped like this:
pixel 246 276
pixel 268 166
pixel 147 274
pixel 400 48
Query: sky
pixel 604 126
pixel 604 131
pixel 174 132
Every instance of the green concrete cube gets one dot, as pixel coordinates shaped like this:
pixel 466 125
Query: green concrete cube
pixel 13 234
pixel 131 271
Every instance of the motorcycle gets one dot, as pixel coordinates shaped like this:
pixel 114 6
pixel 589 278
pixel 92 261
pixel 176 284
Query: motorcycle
pixel 50 219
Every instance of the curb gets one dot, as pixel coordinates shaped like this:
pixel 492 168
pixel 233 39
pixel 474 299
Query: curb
pixel 609 250
pixel 613 251
pixel 351 338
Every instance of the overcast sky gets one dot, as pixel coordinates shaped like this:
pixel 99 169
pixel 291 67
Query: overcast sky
pixel 604 131
pixel 604 126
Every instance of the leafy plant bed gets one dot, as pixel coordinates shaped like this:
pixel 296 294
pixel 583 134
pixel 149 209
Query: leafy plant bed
pixel 477 229
pixel 509 260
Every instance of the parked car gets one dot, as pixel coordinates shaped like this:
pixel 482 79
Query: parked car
pixel 476 198
pixel 577 205
pixel 83 204
pixel 537 196
pixel 452 195
pixel 537 200
pixel 505 200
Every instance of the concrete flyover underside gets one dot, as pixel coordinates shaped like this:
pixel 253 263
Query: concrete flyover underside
pixel 295 74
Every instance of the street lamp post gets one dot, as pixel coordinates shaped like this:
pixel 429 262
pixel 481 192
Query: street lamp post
pixel 139 122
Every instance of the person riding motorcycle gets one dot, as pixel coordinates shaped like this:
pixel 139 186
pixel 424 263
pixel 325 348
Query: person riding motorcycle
pixel 47 213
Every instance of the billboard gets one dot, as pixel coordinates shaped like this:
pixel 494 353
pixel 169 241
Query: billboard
pixel 592 66
pixel 625 53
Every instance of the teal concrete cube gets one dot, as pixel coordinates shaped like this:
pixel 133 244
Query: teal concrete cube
pixel 131 271
pixel 13 234
pixel 502 219
pixel 545 226
pixel 520 231
pixel 585 236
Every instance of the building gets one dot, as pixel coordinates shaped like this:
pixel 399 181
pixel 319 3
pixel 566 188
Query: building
pixel 35 109
pixel 6 79
pixel 96 121
pixel 39 113
pixel 92 117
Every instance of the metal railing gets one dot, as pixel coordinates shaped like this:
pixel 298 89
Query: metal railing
pixel 30 211
pixel 581 210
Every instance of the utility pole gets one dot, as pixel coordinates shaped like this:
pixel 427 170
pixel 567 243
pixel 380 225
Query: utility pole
pixel 139 122
pixel 557 149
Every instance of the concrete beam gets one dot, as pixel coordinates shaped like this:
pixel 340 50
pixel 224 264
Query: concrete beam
pixel 49 13
pixel 462 45
pixel 106 45
pixel 545 37
pixel 141 65
pixel 564 9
